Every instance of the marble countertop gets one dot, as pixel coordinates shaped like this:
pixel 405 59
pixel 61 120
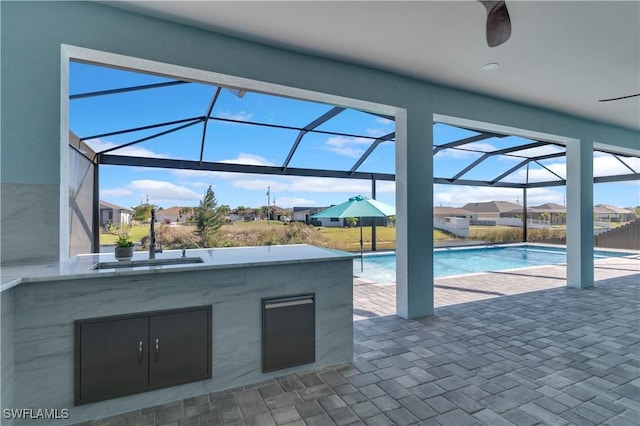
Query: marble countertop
pixel 84 266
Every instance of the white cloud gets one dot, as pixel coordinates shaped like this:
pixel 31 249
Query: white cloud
pixel 539 174
pixel 294 184
pixel 163 192
pixel 186 174
pixel 240 116
pixel 347 146
pixel 376 133
pixel 249 159
pixel 196 184
pixel 242 158
pixel 533 152
pixel 603 165
pixel 115 192
pixel 458 196
pixel 607 165
pixel 99 145
pixel 459 153
pixel 294 201
pixel 384 121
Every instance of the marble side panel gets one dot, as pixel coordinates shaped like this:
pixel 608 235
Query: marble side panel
pixel 6 354
pixel 45 311
pixel 30 223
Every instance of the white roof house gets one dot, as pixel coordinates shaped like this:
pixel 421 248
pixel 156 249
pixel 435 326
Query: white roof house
pixel 112 214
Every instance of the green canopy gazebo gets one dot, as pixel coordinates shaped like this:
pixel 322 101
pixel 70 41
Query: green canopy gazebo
pixel 358 206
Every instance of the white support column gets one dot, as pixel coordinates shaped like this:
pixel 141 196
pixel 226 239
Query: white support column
pixel 580 214
pixel 414 214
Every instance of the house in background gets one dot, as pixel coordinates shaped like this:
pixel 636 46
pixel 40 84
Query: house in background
pixel 111 214
pixel 488 212
pixel 607 213
pixel 171 215
pixel 246 214
pixel 453 220
pixel 556 214
pixel 278 213
pixel 444 212
pixel 303 214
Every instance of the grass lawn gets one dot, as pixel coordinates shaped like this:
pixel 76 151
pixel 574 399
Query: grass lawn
pixel 136 233
pixel 248 233
pixel 349 238
pixel 339 238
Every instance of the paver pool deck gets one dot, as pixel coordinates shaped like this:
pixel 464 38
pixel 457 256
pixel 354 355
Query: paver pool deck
pixel 509 348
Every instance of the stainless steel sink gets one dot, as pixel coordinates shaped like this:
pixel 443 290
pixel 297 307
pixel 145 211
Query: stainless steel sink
pixel 149 262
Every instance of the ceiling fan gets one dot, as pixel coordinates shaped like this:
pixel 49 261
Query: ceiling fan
pixel 499 30
pixel 498 22
pixel 618 98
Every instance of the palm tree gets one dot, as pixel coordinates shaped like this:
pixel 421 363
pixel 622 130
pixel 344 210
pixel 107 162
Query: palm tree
pixel 562 218
pixel 187 212
pixel 264 211
pixel 352 221
pixel 391 220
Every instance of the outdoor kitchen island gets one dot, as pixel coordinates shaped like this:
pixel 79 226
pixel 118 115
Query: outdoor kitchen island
pixel 240 297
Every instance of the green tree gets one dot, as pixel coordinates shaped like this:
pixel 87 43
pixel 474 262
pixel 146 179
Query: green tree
pixel 637 212
pixel 562 218
pixel 242 211
pixel 142 213
pixel 545 216
pixel 352 221
pixel 264 210
pixel 187 213
pixel 208 219
pixel 391 220
pixel 224 209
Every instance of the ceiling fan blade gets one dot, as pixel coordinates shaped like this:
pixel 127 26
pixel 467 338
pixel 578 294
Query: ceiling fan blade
pixel 619 98
pixel 498 22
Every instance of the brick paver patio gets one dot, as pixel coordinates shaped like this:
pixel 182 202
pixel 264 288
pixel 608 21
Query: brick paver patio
pixel 511 348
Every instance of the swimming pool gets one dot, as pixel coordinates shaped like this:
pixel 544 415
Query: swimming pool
pixel 447 262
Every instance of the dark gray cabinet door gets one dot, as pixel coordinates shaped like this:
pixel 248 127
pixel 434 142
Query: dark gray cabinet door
pixel 288 332
pixel 180 347
pixel 113 358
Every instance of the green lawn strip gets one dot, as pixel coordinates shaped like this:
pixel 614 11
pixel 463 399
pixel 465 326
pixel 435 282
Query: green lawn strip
pixel 136 233
pixel 338 238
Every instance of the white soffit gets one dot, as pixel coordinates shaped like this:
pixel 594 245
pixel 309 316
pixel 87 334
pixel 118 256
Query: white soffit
pixel 562 55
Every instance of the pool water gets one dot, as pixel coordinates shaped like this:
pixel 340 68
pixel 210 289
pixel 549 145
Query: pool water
pixel 447 262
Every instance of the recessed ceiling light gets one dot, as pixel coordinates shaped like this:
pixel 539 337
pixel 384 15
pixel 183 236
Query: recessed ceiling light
pixel 490 66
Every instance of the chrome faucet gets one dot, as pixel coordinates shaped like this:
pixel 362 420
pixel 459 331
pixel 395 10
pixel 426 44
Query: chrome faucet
pixel 152 237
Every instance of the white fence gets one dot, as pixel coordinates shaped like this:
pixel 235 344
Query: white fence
pixel 517 222
pixel 456 225
pixel 602 224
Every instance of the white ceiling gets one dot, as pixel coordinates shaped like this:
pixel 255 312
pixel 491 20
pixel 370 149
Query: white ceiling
pixel 562 55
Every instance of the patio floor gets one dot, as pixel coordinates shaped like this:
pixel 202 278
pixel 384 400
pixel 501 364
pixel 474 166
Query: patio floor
pixel 510 348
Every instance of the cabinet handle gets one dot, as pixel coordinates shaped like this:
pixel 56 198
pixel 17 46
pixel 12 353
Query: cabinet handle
pixel 140 352
pixel 157 349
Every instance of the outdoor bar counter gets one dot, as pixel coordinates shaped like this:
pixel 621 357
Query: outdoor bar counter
pixel 44 307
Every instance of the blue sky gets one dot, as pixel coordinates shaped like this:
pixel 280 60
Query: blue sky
pixel 259 145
